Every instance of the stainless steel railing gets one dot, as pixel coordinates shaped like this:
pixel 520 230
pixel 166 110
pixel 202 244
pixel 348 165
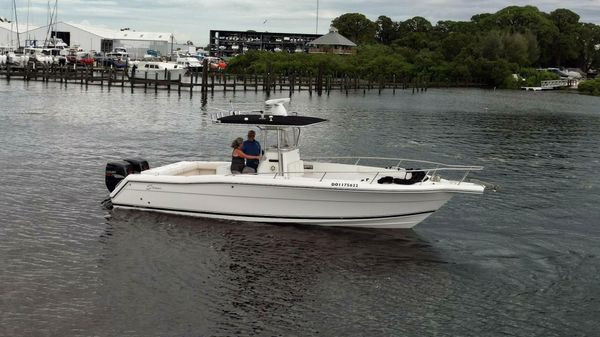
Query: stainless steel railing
pixel 431 170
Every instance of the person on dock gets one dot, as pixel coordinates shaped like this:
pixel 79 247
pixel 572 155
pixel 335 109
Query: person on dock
pixel 238 164
pixel 252 147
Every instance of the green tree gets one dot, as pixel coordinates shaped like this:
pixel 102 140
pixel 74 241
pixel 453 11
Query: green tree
pixel 566 47
pixel 590 46
pixel 356 27
pixel 417 25
pixel 387 30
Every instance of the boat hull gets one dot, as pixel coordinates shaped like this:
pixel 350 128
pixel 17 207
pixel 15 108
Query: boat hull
pixel 262 201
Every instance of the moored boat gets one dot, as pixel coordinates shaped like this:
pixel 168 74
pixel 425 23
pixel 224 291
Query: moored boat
pixel 157 70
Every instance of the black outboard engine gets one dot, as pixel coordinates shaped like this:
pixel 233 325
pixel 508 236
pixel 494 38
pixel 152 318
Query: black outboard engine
pixel 138 164
pixel 118 170
pixel 115 172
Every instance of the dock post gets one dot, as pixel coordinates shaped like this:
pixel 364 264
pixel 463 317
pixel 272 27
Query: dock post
pixel 168 78
pixel 245 87
pixel 179 86
pixel 255 83
pixel 8 66
pixel 224 83
pixel 204 87
pixel 319 79
pixel 109 78
pixel 156 82
pixel 145 80
pixel 234 82
pixel 192 84
pixel 131 80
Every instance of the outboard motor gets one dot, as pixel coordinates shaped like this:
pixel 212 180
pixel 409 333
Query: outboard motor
pixel 138 164
pixel 118 170
pixel 115 172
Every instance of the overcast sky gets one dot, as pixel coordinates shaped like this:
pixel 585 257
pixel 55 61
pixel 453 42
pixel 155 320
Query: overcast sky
pixel 192 19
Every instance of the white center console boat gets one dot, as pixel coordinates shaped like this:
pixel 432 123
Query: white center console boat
pixel 287 188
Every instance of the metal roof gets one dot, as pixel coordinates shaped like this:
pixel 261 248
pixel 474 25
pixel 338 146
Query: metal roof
pixel 333 38
pixel 107 33
pixel 13 27
pixel 124 34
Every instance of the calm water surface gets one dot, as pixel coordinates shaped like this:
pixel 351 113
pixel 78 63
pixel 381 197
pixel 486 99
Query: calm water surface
pixel 523 261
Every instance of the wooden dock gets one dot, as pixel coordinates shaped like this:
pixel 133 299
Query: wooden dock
pixel 208 81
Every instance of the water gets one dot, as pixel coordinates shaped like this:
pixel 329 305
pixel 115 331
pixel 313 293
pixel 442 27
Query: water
pixel 523 261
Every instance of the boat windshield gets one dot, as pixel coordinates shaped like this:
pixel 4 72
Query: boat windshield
pixel 280 138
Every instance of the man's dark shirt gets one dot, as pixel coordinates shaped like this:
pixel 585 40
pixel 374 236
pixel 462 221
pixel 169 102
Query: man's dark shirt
pixel 251 147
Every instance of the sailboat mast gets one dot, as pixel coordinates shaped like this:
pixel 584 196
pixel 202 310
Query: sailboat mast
pixel 27 26
pixel 52 14
pixel 17 24
pixel 55 20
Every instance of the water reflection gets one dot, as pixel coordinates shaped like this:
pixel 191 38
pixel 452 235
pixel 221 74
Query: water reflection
pixel 246 277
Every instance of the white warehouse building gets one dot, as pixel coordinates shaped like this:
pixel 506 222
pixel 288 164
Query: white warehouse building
pixel 98 39
pixel 8 34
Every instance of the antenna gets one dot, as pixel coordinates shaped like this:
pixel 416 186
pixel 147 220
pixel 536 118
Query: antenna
pixel 317 28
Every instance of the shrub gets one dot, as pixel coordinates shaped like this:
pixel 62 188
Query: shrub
pixel 590 87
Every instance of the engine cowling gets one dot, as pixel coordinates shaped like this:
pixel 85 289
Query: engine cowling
pixel 115 172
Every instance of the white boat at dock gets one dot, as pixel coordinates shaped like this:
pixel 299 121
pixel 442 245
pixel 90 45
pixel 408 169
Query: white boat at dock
pixel 287 188
pixel 190 63
pixel 156 70
pixel 39 55
pixel 17 59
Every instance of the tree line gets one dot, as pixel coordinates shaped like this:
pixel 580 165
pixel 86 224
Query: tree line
pixel 487 50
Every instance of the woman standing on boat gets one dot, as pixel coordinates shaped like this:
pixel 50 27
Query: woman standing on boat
pixel 238 157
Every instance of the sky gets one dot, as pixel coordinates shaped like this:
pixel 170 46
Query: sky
pixel 192 19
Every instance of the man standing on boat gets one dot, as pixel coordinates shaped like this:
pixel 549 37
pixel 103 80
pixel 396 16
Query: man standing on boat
pixel 252 147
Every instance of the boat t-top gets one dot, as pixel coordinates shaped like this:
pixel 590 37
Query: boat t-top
pixel 287 188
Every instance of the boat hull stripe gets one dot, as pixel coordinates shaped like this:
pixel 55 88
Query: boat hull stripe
pixel 274 216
